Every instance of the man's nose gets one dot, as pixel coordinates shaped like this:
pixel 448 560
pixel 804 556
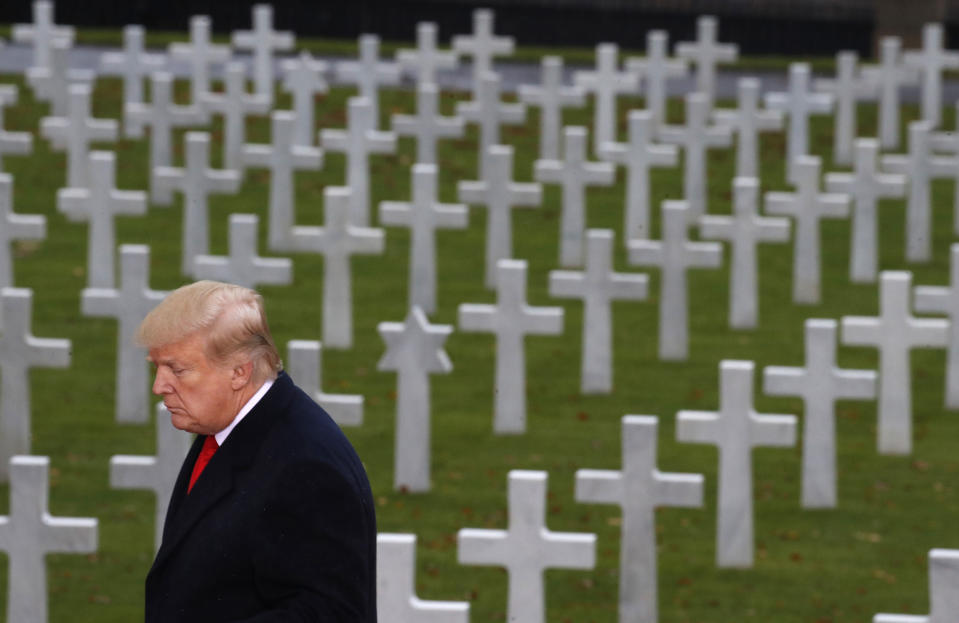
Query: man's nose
pixel 161 382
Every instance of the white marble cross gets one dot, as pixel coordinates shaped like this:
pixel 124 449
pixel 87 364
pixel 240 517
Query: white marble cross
pixel 29 533
pixel 482 46
pixel 847 88
pixel 426 59
pixel 499 193
pixel 423 215
pixel 887 78
pixel 748 119
pixel 42 33
pixel 396 599
pixel 234 104
pixel 196 181
pixel 414 349
pixel 639 489
pixel 674 255
pixel 369 73
pixel 931 62
pixel 638 156
pixel 551 97
pixel 735 430
pixel 303 362
pixel 895 332
pixel 337 240
pixel 820 384
pixel 357 142
pixel 696 137
pixel 706 53
pixel 154 473
pixel 511 319
pixel 200 54
pixel 304 77
pixel 263 41
pixel 606 82
pixel 133 63
pixel 51 83
pixel 15 227
pixel 75 132
pixel 20 351
pixel 744 230
pixel 527 548
pixel 866 185
pixel 129 304
pixel 798 103
pixel 19 143
pixel 655 69
pixel 488 111
pixel 427 125
pixel 943 591
pixel 283 157
pixel 945 300
pixel 9 93
pixel 808 207
pixel 597 286
pixel 243 266
pixel 574 174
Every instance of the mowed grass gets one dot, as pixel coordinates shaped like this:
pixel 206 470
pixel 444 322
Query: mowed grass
pixel 844 564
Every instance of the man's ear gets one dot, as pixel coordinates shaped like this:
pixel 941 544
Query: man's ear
pixel 242 374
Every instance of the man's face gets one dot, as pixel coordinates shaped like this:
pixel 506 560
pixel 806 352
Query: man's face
pixel 200 395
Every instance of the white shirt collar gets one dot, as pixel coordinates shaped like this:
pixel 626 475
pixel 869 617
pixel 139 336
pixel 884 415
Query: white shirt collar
pixel 223 434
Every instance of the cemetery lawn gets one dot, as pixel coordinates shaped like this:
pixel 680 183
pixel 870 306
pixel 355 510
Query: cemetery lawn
pixel 838 565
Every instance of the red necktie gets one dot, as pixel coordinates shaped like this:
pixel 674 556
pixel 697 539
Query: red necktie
pixel 206 453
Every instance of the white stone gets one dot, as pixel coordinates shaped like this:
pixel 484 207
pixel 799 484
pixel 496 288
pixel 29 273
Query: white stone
pixel 243 266
pixel 15 227
pixel 573 174
pixel 482 46
pixel 234 104
pixel 895 332
pixel 551 97
pixel 748 120
pixel 597 286
pixel 428 125
pixel 820 384
pixel 488 111
pixel 154 473
pixel 655 69
pixel 303 362
pixel 201 54
pixel 396 599
pixel 74 133
pixel 706 53
pixel 931 62
pixel 263 41
pixel 304 77
pixel 42 33
pixel 798 103
pixel 848 87
pixel 51 84
pixel 337 240
pixel 735 430
pixel 527 548
pixel 943 591
pixel 808 207
pixel 414 349
pixel 29 533
pixel 887 78
pixel 674 255
pixel 499 194
pixel 426 59
pixel 17 143
pixel 423 215
pixel 744 230
pixel 133 64
pixel 9 93
pixel 129 304
pixel 866 185
pixel 639 489
pixel 606 82
pixel 511 319
pixel 945 300
pixel 369 73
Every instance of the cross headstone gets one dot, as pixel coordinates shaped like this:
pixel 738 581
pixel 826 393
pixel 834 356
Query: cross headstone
pixel 943 591
pixel 499 193
pixel 414 349
pixel 527 548
pixel 75 132
pixel 15 227
pixel 426 59
pixel 357 142
pixel 396 598
pixel 427 126
pixel 551 97
pixel 243 266
pixel 887 78
pixel 9 93
pixel 263 41
pixel 487 111
pixel 638 156
pixel 369 73
pixel 20 351
pixel 511 319
pixel 283 157
pixel 154 473
pixel 51 84
pixel 482 46
pixel 847 88
pixel 573 174
pixel 304 364
pixel 29 533
pixel 866 185
pixel 748 120
pixel 133 63
pixel 744 230
pixel 42 33
pixel 808 207
pixel 337 240
pixel 931 62
pixel 820 384
pixel 945 300
pixel 895 332
pixel 597 286
pixel 674 255
pixel 129 304
pixel 18 143
pixel 735 429
pixel 639 489
pixel 655 69
pixel 606 82
pixel 303 77
pixel 234 104
pixel 423 215
pixel 706 52
pixel 200 54
pixel 196 181
pixel 798 103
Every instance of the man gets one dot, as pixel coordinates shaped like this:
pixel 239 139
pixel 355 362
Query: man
pixel 272 517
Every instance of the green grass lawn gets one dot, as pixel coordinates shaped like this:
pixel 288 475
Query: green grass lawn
pixel 866 556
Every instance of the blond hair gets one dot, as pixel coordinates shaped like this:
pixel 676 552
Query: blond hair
pixel 231 316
